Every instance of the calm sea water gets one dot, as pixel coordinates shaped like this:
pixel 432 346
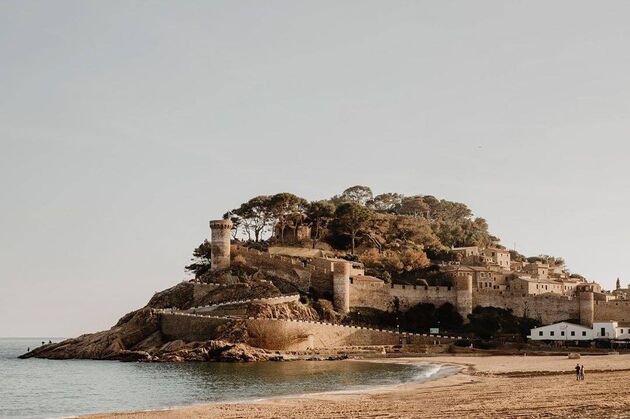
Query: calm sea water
pixel 37 388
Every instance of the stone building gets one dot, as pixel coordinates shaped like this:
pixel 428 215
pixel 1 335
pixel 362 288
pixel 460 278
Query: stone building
pixel 485 256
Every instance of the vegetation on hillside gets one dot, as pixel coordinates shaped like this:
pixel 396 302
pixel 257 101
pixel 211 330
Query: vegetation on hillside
pixel 394 235
pixel 391 233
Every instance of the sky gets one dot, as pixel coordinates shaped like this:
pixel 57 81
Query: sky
pixel 126 125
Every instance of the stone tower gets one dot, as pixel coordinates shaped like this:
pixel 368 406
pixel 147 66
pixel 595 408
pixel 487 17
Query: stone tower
pixel 587 307
pixel 220 244
pixel 341 286
pixel 463 286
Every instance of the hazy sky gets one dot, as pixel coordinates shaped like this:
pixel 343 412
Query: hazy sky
pixel 125 126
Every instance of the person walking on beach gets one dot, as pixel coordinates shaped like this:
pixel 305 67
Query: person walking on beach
pixel 582 372
pixel 577 372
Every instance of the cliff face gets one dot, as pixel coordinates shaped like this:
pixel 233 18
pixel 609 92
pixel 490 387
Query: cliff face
pixel 137 336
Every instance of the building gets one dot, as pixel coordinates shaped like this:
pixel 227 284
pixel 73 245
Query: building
pixel 484 277
pixel 564 331
pixel 483 256
pixel 561 331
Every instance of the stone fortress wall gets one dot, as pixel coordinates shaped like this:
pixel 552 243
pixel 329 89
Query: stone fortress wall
pixel 289 335
pixel 612 310
pixel 358 291
pixel 382 297
pixel 548 308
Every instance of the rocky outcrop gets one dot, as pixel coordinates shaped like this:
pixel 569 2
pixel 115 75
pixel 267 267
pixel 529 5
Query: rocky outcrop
pixel 137 335
pixel 292 310
pixel 139 328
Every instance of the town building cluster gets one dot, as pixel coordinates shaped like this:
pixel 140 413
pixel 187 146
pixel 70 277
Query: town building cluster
pixel 493 269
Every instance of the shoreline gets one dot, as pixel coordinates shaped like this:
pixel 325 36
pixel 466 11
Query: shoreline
pixel 491 386
pixel 443 371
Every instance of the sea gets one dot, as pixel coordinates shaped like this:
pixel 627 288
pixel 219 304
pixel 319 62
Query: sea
pixel 41 388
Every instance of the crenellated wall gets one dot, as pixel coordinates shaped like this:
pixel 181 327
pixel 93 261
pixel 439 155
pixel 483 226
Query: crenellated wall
pixel 382 297
pixel 549 308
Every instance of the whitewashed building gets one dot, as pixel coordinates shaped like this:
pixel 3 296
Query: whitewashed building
pixel 572 332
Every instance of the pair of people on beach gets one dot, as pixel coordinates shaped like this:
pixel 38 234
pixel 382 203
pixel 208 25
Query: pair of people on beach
pixel 579 372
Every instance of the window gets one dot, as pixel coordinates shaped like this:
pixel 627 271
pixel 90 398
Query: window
pixel 583 333
pixel 602 331
pixel 551 333
pixel 572 332
pixel 621 331
pixel 562 333
pixel 540 333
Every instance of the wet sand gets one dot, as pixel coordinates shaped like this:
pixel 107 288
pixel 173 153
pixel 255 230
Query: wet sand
pixel 493 386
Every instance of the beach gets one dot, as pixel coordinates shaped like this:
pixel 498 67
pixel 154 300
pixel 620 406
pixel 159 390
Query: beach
pixel 485 386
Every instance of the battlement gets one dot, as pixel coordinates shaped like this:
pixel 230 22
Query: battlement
pixel 221 224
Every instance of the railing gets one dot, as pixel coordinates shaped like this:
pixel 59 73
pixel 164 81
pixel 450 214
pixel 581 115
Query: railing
pixel 288 298
pixel 180 313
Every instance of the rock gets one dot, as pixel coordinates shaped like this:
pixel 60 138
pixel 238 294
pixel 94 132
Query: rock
pixel 133 356
pixel 172 346
pixel 243 353
pixel 137 336
pixel 139 325
pixel 574 355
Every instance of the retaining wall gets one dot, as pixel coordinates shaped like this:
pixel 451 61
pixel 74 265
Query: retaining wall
pixel 287 334
pixel 190 327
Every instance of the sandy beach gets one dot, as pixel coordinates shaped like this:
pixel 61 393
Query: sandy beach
pixel 493 386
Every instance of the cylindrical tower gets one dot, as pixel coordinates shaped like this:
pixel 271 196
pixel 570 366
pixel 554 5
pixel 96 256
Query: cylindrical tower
pixel 341 286
pixel 587 307
pixel 463 286
pixel 220 245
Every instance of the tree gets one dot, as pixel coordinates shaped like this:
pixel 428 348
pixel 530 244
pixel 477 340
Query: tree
pixel 358 194
pixel 419 318
pixel 286 207
pixel 485 322
pixel 618 284
pixel 413 206
pixel 416 230
pixel 414 258
pixel 386 202
pixel 352 219
pixel 201 259
pixel 256 215
pixel 448 317
pixel 319 214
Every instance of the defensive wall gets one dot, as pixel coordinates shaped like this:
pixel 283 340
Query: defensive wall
pixel 290 335
pixel 548 308
pixel 382 296
pixel 612 310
